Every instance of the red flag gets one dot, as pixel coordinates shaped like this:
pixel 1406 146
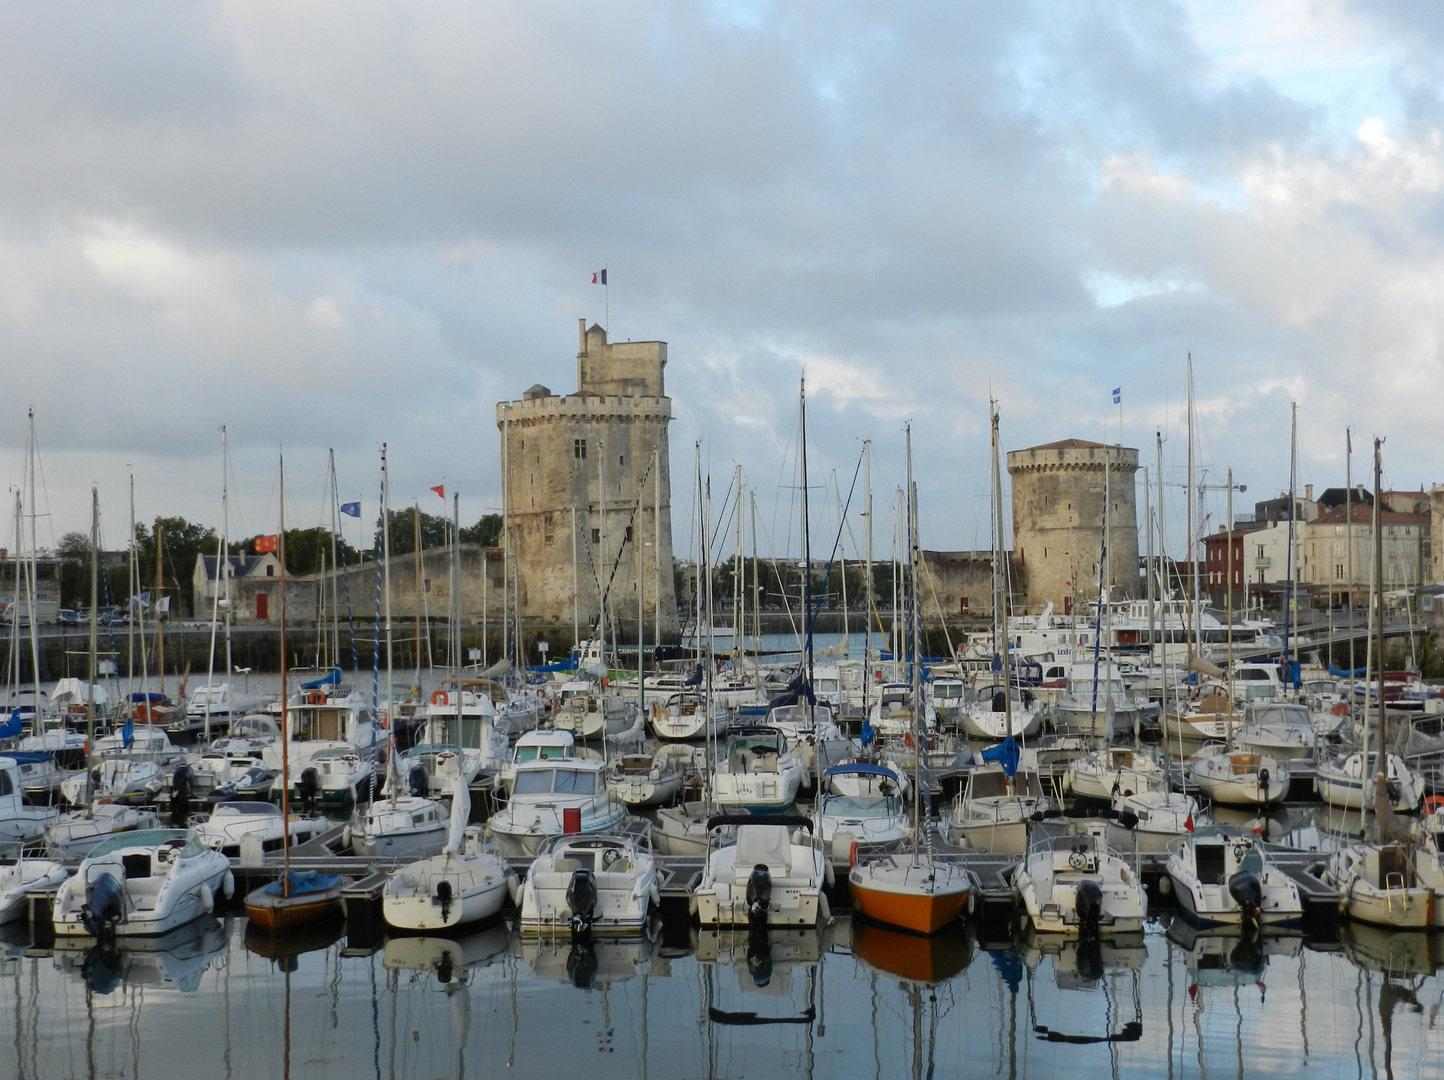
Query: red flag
pixel 265 544
pixel 1188 823
pixel 440 490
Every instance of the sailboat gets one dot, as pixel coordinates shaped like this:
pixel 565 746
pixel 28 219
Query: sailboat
pixel 297 898
pixel 914 891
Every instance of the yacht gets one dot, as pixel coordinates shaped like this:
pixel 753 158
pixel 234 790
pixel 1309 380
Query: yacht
pixel 333 738
pixel 847 824
pixel 771 875
pixel 456 743
pixel 230 823
pixel 20 878
pixel 646 779
pixel 1075 885
pixel 600 884
pixel 553 797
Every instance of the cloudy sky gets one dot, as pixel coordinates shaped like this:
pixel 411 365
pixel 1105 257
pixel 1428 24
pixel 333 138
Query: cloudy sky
pixel 329 225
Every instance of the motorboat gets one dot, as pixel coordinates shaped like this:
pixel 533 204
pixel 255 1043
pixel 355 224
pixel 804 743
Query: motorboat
pixel 772 874
pixel 220 701
pixel 19 821
pixel 334 744
pixel 1377 883
pixel 646 779
pixel 19 878
pixel 1104 773
pixel 1097 701
pixel 456 743
pixel 137 742
pixel 230 823
pixel 599 883
pixel 543 744
pixel 1241 778
pixel 72 835
pixel 1280 729
pixel 463 884
pixel 1345 782
pixel 688 715
pixel 892 712
pixel 1227 879
pixel 553 797
pixel 847 824
pixel 993 810
pixel 1075 885
pixel 682 830
pixel 219 777
pixel 948 697
pixel 1157 817
pixel 248 735
pixel 142 883
pixel 866 778
pixel 117 779
pixel 589 712
pixel 757 773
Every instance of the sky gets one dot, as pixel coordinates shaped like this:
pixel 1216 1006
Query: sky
pixel 338 225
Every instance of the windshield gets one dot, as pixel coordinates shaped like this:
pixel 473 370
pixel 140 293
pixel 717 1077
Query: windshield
pixel 188 841
pixel 245 809
pixel 859 806
pixel 558 781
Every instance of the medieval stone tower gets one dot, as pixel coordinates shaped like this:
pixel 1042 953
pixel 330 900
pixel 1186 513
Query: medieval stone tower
pixel 583 497
pixel 1058 521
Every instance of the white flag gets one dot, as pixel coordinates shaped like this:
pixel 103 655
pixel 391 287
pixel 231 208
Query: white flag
pixel 163 605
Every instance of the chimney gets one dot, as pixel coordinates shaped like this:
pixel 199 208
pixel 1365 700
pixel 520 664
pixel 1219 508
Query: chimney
pixel 1309 492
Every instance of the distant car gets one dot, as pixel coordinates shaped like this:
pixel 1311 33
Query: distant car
pixel 72 618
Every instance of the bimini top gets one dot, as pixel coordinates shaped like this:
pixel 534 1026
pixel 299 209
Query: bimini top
pixel 863 768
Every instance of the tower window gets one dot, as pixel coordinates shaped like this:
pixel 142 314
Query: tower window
pixel 596 536
pixel 621 459
pixel 579 448
pixel 629 534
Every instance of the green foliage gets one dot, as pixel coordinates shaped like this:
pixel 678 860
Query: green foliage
pixel 486 532
pixel 180 542
pixel 404 524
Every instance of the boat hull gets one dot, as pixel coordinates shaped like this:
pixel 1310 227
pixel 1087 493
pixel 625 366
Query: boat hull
pixel 920 912
pixel 276 913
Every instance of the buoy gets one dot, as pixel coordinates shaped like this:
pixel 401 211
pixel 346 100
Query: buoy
pixel 852 854
pixel 824 910
pixel 316 697
pixel 438 697
pixel 228 885
pixel 1165 885
pixel 208 900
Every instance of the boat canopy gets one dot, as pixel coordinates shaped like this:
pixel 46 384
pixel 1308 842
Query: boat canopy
pixel 863 768
pixel 331 678
pixel 302 883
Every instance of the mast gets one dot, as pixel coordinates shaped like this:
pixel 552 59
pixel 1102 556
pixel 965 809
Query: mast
pixel 386 571
pixel 806 537
pixel 601 549
pixel 1293 512
pixel 136 626
pixel 505 529
pixel 94 599
pixel 335 563
pixel 1194 633
pixel 1383 765
pixel 1000 617
pixel 657 543
pixel 285 727
pixel 160 613
pixel 739 619
pixel 842 562
pixel 33 582
pixel 215 595
pixel 576 592
pixel 1349 533
pixel 867 586
pixel 915 631
pixel 416 586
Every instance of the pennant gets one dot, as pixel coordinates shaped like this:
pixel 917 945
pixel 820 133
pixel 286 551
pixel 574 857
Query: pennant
pixel 163 605
pixel 440 490
pixel 599 278
pixel 142 601
pixel 1188 822
pixel 127 733
pixel 266 544
pixel 11 728
pixel 351 509
pixel 1118 395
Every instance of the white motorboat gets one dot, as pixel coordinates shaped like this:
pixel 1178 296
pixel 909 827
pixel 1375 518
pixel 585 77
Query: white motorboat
pixel 220 701
pixel 682 830
pixel 146 743
pixel 601 884
pixel 24 876
pixel 247 735
pixel 772 875
pixel 118 779
pixel 1377 883
pixel 589 712
pixel 892 712
pixel 74 834
pixel 463 884
pixel 142 883
pixel 221 777
pixel 993 810
pixel 948 697
pixel 686 715
pixel 553 797
pixel 543 744
pixel 848 823
pixel 231 822
pixel 1110 771
pixel 1229 880
pixel 1345 782
pixel 400 826
pixel 1279 729
pixel 859 778
pixel 1075 885
pixel 812 735
pixel 1158 818
pixel 1241 778
pixel 646 779
pixel 335 739
pixel 757 773
pixel 456 743
pixel 1096 702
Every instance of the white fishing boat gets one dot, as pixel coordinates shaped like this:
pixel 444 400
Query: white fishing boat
pixel 1115 770
pixel 757 773
pixel 21 877
pixel 589 712
pixel 600 884
pixel 400 826
pixel 686 715
pixel 1224 879
pixel 1075 885
pixel 1377 883
pixel 142 883
pixel 74 834
pixel 1241 778
pixel 1346 782
pixel 1280 729
pixel 543 744
pixel 993 811
pixel 230 823
pixel 772 874
pixel 463 884
pixel 456 743
pixel 847 824
pixel 549 798
pixel 336 740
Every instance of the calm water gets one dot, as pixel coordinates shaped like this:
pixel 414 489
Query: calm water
pixel 854 1001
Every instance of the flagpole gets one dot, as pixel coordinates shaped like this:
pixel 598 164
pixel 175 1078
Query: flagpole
pixel 606 299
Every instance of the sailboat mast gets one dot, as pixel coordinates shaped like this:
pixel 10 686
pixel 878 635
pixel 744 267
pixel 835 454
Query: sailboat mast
pixel 160 613
pixel 33 581
pixel 1000 614
pixel 867 577
pixel 335 499
pixel 1349 534
pixel 915 629
pixel 806 534
pixel 94 613
pixel 1195 623
pixel 285 726
pixel 1378 611
pixel 1293 512
pixel 386 587
pixel 216 595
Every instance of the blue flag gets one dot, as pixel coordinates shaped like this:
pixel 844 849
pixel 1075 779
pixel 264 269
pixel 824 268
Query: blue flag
pixel 11 728
pixel 127 733
pixel 351 509
pixel 1118 395
pixel 867 735
pixel 1006 754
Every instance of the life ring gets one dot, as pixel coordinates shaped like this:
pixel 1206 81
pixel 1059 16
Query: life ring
pixel 438 697
pixel 852 855
pixel 1433 803
pixel 540 692
pixel 908 739
pixel 1341 709
pixel 316 697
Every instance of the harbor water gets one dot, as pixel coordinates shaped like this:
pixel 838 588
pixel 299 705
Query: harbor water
pixel 854 1000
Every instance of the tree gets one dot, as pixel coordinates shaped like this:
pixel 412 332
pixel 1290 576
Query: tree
pixel 435 531
pixel 181 542
pixel 486 532
pixel 73 550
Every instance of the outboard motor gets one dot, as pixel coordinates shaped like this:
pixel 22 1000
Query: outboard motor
pixel 103 906
pixel 1263 779
pixel 444 970
pixel 759 959
pixel 180 797
pixel 420 782
pixel 1090 960
pixel 1088 906
pixel 582 964
pixel 1247 893
pixel 102 969
pixel 582 899
pixel 444 898
pixel 759 897
pixel 309 788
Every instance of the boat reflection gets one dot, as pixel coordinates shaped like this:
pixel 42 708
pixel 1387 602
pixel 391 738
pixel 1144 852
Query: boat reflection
pixel 451 960
pixel 587 961
pixel 1222 956
pixel 174 961
pixel 1396 953
pixel 1080 964
pixel 765 963
pixel 285 947
pixel 932 959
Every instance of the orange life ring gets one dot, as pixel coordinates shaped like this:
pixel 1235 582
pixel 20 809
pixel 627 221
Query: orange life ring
pixel 908 739
pixel 852 854
pixel 1341 709
pixel 438 697
pixel 540 692
pixel 316 697
pixel 1433 803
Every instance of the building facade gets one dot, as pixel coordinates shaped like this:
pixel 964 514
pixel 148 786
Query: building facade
pixel 1338 553
pixel 587 488
pixel 1058 514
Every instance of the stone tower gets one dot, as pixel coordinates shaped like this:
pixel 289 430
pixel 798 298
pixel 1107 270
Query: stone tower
pixel 1058 521
pixel 598 453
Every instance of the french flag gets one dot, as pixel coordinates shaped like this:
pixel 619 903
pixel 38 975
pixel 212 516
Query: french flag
pixel 599 278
